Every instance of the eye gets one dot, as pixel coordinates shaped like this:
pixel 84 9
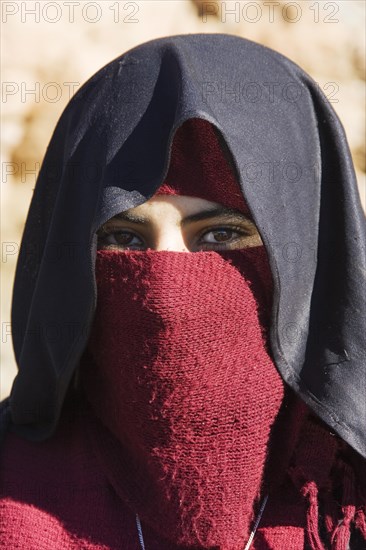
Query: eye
pixel 109 238
pixel 219 235
pixel 224 237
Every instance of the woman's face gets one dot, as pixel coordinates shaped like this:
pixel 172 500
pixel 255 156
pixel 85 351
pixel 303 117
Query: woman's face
pixel 178 223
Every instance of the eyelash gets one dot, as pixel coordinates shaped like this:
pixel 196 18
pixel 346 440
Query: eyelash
pixel 105 232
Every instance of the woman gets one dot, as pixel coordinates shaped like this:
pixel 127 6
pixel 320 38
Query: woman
pixel 171 400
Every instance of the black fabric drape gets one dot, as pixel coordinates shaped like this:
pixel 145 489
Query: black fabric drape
pixel 110 151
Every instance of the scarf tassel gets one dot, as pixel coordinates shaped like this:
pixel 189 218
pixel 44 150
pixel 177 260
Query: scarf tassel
pixel 360 520
pixel 342 532
pixel 310 491
pixel 340 518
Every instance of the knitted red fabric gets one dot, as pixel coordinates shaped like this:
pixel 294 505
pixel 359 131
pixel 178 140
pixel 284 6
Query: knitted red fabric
pixel 201 167
pixel 55 494
pixel 178 370
pixel 60 493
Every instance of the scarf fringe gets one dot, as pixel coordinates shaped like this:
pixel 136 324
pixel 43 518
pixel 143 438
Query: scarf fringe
pixel 342 533
pixel 339 519
pixel 360 520
pixel 310 491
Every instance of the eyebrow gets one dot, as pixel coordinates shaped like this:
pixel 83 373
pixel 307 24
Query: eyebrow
pixel 221 211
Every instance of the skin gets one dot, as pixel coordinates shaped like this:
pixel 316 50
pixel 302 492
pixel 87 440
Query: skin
pixel 161 224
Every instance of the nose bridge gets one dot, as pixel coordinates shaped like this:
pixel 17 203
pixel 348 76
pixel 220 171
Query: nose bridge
pixel 170 237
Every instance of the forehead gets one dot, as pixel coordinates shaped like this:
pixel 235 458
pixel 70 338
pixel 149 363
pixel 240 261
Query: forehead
pixel 178 205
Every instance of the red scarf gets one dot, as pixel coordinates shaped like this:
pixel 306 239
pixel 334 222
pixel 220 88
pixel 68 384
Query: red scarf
pixel 187 388
pixel 179 372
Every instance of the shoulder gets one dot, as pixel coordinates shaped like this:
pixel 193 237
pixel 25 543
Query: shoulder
pixel 54 494
pixel 66 451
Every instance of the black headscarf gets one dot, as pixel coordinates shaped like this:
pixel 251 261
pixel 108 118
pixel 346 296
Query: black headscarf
pixel 110 151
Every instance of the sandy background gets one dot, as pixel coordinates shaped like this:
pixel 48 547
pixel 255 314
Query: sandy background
pixel 50 48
